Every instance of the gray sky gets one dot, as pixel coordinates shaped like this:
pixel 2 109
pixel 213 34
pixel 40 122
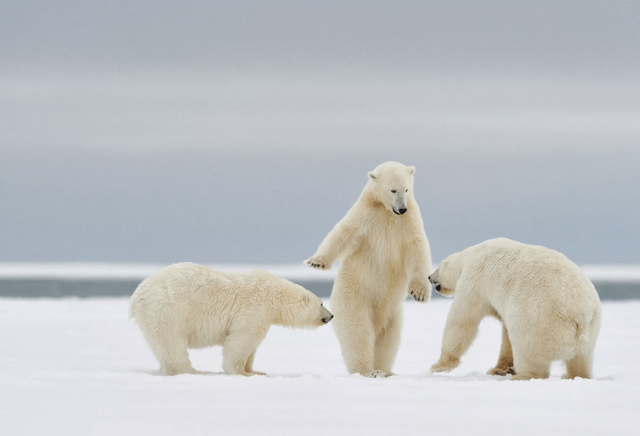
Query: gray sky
pixel 243 131
pixel 444 37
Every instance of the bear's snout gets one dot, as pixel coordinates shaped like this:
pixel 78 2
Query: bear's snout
pixel 326 315
pixel 402 210
pixel 434 281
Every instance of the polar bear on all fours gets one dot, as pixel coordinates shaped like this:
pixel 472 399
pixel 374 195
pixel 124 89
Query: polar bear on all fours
pixel 384 257
pixel 548 307
pixel 186 305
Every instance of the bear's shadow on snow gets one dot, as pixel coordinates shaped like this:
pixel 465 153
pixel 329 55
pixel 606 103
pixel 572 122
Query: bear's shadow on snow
pixel 472 376
pixel 158 373
pixel 480 376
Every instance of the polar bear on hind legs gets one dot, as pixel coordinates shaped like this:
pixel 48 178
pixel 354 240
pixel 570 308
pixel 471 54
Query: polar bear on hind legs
pixel 384 256
pixel 548 308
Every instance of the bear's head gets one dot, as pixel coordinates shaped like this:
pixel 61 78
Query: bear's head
pixel 447 275
pixel 301 308
pixel 391 183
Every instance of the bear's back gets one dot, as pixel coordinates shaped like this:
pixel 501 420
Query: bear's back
pixel 183 288
pixel 539 276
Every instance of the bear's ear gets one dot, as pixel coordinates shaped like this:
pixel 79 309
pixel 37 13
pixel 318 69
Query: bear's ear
pixel 373 176
pixel 305 298
pixel 412 170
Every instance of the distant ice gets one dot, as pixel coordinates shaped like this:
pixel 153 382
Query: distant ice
pixel 613 273
pixel 599 273
pixel 143 270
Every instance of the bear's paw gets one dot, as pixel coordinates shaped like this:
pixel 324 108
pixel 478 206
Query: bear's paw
pixel 445 364
pixel 419 292
pixel 501 371
pixel 318 263
pixel 378 373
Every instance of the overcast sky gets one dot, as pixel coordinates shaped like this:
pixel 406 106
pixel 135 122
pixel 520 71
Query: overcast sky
pixel 243 131
pixel 461 37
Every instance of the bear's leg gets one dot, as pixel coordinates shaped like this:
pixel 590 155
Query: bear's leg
pixel 460 331
pixel 505 360
pixel 248 367
pixel 340 239
pixel 238 347
pixel 173 356
pixel 387 343
pixel 579 366
pixel 529 365
pixel 357 343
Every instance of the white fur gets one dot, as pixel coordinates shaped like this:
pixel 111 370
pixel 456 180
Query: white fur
pixel 548 307
pixel 192 306
pixel 384 255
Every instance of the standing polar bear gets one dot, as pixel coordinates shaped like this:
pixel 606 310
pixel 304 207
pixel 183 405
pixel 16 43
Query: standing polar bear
pixel 186 305
pixel 384 255
pixel 548 308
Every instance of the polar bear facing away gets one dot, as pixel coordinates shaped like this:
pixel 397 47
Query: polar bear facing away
pixel 384 256
pixel 186 305
pixel 548 308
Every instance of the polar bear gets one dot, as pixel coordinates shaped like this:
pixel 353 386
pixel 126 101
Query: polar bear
pixel 186 305
pixel 548 308
pixel 384 255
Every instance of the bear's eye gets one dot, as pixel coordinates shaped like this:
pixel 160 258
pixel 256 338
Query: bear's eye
pixel 406 190
pixel 393 191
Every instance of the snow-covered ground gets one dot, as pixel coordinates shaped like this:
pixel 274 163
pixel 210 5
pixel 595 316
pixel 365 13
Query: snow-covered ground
pixel 81 367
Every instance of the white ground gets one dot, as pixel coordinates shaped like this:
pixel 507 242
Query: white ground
pixel 80 367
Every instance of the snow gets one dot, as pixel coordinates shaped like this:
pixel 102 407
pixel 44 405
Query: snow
pixel 80 366
pixel 53 270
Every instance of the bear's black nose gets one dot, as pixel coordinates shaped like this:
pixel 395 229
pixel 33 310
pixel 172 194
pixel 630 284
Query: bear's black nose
pixel 402 211
pixel 438 287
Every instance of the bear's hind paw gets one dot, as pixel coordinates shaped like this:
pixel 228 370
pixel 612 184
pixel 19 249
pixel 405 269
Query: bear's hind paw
pixel 501 371
pixel 378 373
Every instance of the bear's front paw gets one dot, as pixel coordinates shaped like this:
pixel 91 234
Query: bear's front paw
pixel 445 364
pixel 318 263
pixel 419 292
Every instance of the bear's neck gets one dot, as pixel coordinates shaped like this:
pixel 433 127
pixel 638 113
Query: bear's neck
pixel 370 200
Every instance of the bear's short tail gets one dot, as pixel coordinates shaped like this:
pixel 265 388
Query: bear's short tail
pixel 582 334
pixel 584 327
